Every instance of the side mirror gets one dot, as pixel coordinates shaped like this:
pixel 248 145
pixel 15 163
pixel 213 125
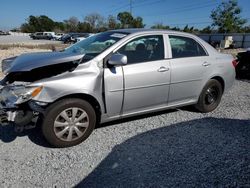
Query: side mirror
pixel 118 59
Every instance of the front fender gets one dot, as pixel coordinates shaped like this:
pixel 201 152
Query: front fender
pixel 86 79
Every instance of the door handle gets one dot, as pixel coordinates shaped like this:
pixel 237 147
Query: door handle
pixel 163 69
pixel 206 64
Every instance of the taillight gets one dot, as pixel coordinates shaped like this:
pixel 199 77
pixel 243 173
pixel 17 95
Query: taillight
pixel 235 63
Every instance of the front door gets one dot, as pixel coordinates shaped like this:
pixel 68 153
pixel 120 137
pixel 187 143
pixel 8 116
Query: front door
pixel 146 75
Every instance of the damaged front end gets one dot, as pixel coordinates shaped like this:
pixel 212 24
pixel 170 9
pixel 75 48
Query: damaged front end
pixel 17 90
pixel 16 105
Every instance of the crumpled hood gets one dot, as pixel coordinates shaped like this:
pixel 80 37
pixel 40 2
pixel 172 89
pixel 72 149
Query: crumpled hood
pixel 30 61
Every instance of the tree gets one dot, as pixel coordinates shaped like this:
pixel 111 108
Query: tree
pixel 138 22
pixel 46 23
pixel 38 23
pixel 71 24
pixel 175 28
pixel 188 29
pixel 95 20
pixel 59 27
pixel 160 26
pixel 112 23
pixel 246 29
pixel 206 30
pixel 125 18
pixel 226 17
pixel 84 27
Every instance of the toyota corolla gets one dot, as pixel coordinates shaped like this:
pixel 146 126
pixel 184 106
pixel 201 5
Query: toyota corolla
pixel 109 76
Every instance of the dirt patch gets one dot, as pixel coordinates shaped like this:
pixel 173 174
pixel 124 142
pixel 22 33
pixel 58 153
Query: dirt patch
pixel 234 52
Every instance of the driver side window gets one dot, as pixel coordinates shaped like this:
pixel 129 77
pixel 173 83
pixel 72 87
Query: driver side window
pixel 143 49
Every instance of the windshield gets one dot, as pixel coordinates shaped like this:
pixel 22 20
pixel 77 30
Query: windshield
pixel 96 44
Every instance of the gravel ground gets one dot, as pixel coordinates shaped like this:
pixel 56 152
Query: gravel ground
pixel 175 148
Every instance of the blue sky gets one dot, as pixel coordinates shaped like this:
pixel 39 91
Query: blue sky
pixel 170 12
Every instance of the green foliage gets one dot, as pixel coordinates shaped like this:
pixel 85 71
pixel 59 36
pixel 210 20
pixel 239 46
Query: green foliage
pixel 226 17
pixel 128 21
pixel 84 27
pixel 137 23
pixel 246 29
pixel 59 27
pixel 92 23
pixel 188 29
pixel 112 23
pixel 38 23
pixel 96 21
pixel 71 24
pixel 125 18
pixel 206 30
pixel 176 29
pixel 160 26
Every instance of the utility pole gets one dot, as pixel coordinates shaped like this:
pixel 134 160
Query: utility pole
pixel 130 5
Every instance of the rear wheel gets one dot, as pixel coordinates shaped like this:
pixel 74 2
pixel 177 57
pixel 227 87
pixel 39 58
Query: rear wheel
pixel 68 122
pixel 210 96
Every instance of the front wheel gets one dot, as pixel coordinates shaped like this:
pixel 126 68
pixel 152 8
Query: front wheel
pixel 68 122
pixel 210 96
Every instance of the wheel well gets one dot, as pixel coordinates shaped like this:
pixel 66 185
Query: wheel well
pixel 219 79
pixel 89 99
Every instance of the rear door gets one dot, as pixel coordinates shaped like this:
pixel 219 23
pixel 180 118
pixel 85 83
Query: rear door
pixel 190 64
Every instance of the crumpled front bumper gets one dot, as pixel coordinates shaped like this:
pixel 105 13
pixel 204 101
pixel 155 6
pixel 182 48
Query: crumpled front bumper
pixel 7 107
pixel 7 117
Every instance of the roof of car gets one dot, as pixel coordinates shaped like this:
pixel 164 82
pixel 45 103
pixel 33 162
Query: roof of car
pixel 134 30
pixel 142 30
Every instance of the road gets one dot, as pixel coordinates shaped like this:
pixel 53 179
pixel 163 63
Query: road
pixel 174 148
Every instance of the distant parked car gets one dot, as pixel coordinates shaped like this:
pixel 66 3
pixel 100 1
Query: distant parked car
pixel 243 65
pixel 109 76
pixel 43 35
pixel 4 33
pixel 78 39
pixel 72 37
pixel 57 36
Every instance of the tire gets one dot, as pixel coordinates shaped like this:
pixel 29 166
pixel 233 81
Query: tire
pixel 67 117
pixel 210 96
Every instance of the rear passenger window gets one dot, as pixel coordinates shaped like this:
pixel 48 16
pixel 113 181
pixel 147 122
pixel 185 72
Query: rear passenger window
pixel 185 47
pixel 143 49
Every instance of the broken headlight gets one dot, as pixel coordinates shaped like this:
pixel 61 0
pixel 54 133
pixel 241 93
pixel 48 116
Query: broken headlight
pixel 18 94
pixel 24 94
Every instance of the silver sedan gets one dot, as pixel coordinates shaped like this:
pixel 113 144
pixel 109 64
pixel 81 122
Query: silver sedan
pixel 109 76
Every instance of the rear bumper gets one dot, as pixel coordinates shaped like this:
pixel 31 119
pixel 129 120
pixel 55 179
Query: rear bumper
pixel 229 79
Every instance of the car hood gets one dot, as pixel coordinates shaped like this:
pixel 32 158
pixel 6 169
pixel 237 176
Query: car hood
pixel 37 66
pixel 30 61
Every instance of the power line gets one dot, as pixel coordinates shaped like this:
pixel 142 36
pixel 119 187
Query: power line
pixel 149 3
pixel 140 4
pixel 190 7
pixel 184 9
pixel 192 23
pixel 132 4
pixel 118 8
